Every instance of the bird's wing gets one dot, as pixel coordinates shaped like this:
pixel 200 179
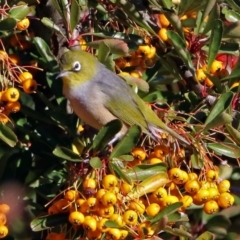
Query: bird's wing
pixel 120 101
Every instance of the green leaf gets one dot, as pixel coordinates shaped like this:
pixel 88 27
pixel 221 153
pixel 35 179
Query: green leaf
pixel 95 163
pixel 196 161
pixel 105 56
pixel 127 143
pixel 165 212
pixel 219 106
pixel 106 134
pixel 226 149
pixel 45 222
pixel 214 14
pixel 135 82
pixel 7 135
pixel 5 153
pixel 75 14
pixel 233 5
pixel 115 46
pixel 222 119
pixel 206 236
pixel 7 24
pixel 112 224
pixel 19 12
pixel 180 47
pixel 207 9
pixel 177 232
pixel 234 133
pixel 46 54
pixel 215 41
pixel 120 174
pixel 67 154
pixel 149 185
pixel 142 172
pixel 230 15
pixel 175 21
pixel 51 25
pixel 61 7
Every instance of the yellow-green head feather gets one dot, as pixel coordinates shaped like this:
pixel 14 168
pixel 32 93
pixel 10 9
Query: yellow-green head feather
pixel 77 67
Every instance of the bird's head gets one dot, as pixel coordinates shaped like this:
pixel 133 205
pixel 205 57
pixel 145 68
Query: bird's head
pixel 77 67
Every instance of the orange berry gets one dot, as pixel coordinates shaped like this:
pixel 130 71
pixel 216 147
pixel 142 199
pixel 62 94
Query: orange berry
pixel 208 82
pixel 224 186
pixel 3 231
pixel 201 76
pixel 139 153
pixel 216 66
pixel 23 76
pixel 212 175
pixel 13 107
pixel 14 58
pixel 90 223
pixel 109 181
pixel 71 195
pixel 163 20
pixel 210 207
pixel 23 24
pixel 163 34
pixel 4 118
pixel 225 200
pixel 82 43
pixel 3 219
pixel 130 217
pixel 3 55
pixel 76 218
pixel 16 39
pixel 29 86
pixel 53 210
pixel 62 205
pixel 11 95
pixel 161 151
pixel 4 208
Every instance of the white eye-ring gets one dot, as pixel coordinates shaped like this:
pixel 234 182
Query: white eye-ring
pixel 76 66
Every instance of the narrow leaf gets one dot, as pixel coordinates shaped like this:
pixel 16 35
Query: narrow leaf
pixel 149 185
pixel 7 135
pixel 166 211
pixel 45 222
pixel 234 133
pixel 106 134
pixel 51 25
pixel 215 41
pixel 142 172
pixel 95 162
pixel 219 106
pixel 7 24
pixel 127 143
pixel 226 149
pixel 66 154
pixel 75 14
pixel 120 174
pixel 19 12
pixel 222 119
pixel 206 236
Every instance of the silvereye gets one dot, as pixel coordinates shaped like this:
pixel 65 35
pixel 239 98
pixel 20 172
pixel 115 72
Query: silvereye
pixel 97 96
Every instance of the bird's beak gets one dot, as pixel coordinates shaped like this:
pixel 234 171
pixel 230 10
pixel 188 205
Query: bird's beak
pixel 63 73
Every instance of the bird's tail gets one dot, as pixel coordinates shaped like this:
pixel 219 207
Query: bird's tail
pixel 155 131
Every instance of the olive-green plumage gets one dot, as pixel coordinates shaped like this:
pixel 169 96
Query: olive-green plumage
pixel 97 96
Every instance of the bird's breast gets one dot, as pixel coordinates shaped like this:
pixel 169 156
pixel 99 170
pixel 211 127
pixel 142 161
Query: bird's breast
pixel 88 103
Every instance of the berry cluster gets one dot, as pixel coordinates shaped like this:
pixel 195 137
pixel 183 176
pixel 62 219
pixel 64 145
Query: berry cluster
pixel 4 209
pixel 96 205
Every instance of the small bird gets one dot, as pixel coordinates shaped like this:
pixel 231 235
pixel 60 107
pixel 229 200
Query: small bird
pixel 98 96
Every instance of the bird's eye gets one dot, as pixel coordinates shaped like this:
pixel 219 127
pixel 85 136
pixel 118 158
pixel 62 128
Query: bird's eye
pixel 76 66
